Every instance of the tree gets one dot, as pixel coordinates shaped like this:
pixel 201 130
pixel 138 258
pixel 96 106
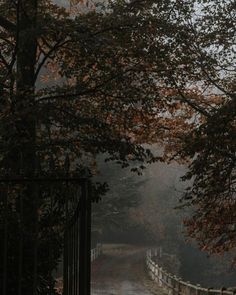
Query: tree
pixel 97 85
pixel 212 144
pixel 111 215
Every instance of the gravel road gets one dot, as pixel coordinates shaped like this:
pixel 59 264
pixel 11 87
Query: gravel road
pixel 121 271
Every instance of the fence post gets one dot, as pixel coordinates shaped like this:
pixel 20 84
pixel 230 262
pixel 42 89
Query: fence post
pixel 160 276
pixel 188 289
pixel 153 270
pixel 178 286
pixel 197 289
pixel 172 283
pixel 169 284
pixel 175 285
pixel 222 290
pixel 155 251
pixel 209 291
pixel 156 273
pixel 101 249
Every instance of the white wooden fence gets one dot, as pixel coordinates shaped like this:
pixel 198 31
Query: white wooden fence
pixel 175 285
pixel 95 252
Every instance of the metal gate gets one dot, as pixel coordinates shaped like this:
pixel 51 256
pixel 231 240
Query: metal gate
pixel 58 205
pixel 77 246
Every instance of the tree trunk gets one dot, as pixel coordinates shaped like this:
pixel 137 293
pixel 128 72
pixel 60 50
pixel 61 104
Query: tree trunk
pixel 25 129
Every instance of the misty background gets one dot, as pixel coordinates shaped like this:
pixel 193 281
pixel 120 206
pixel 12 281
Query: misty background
pixel 141 210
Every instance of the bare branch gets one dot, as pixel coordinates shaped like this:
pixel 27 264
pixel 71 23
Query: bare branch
pixel 4 61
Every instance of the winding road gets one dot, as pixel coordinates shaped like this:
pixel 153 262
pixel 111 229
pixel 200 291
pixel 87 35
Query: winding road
pixel 121 271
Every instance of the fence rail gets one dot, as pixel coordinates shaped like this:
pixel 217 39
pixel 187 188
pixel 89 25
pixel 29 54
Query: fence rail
pixel 175 285
pixel 95 252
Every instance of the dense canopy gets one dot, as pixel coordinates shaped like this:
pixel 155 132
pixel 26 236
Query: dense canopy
pixel 93 78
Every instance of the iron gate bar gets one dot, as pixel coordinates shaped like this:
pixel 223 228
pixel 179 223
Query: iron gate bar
pixel 20 249
pixel 85 242
pixel 5 245
pixel 44 179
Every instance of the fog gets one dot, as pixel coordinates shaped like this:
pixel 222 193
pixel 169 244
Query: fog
pixel 141 210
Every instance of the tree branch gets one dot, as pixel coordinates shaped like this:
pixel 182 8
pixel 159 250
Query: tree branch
pixel 7 25
pixel 48 55
pixel 80 93
pixel 193 105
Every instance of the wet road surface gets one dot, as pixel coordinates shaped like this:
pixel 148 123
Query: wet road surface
pixel 121 271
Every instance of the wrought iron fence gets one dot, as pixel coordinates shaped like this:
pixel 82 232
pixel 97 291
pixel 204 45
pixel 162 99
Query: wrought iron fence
pixel 42 217
pixel 78 246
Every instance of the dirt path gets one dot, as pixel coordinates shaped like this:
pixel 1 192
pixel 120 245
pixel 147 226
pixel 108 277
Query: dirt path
pixel 121 271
